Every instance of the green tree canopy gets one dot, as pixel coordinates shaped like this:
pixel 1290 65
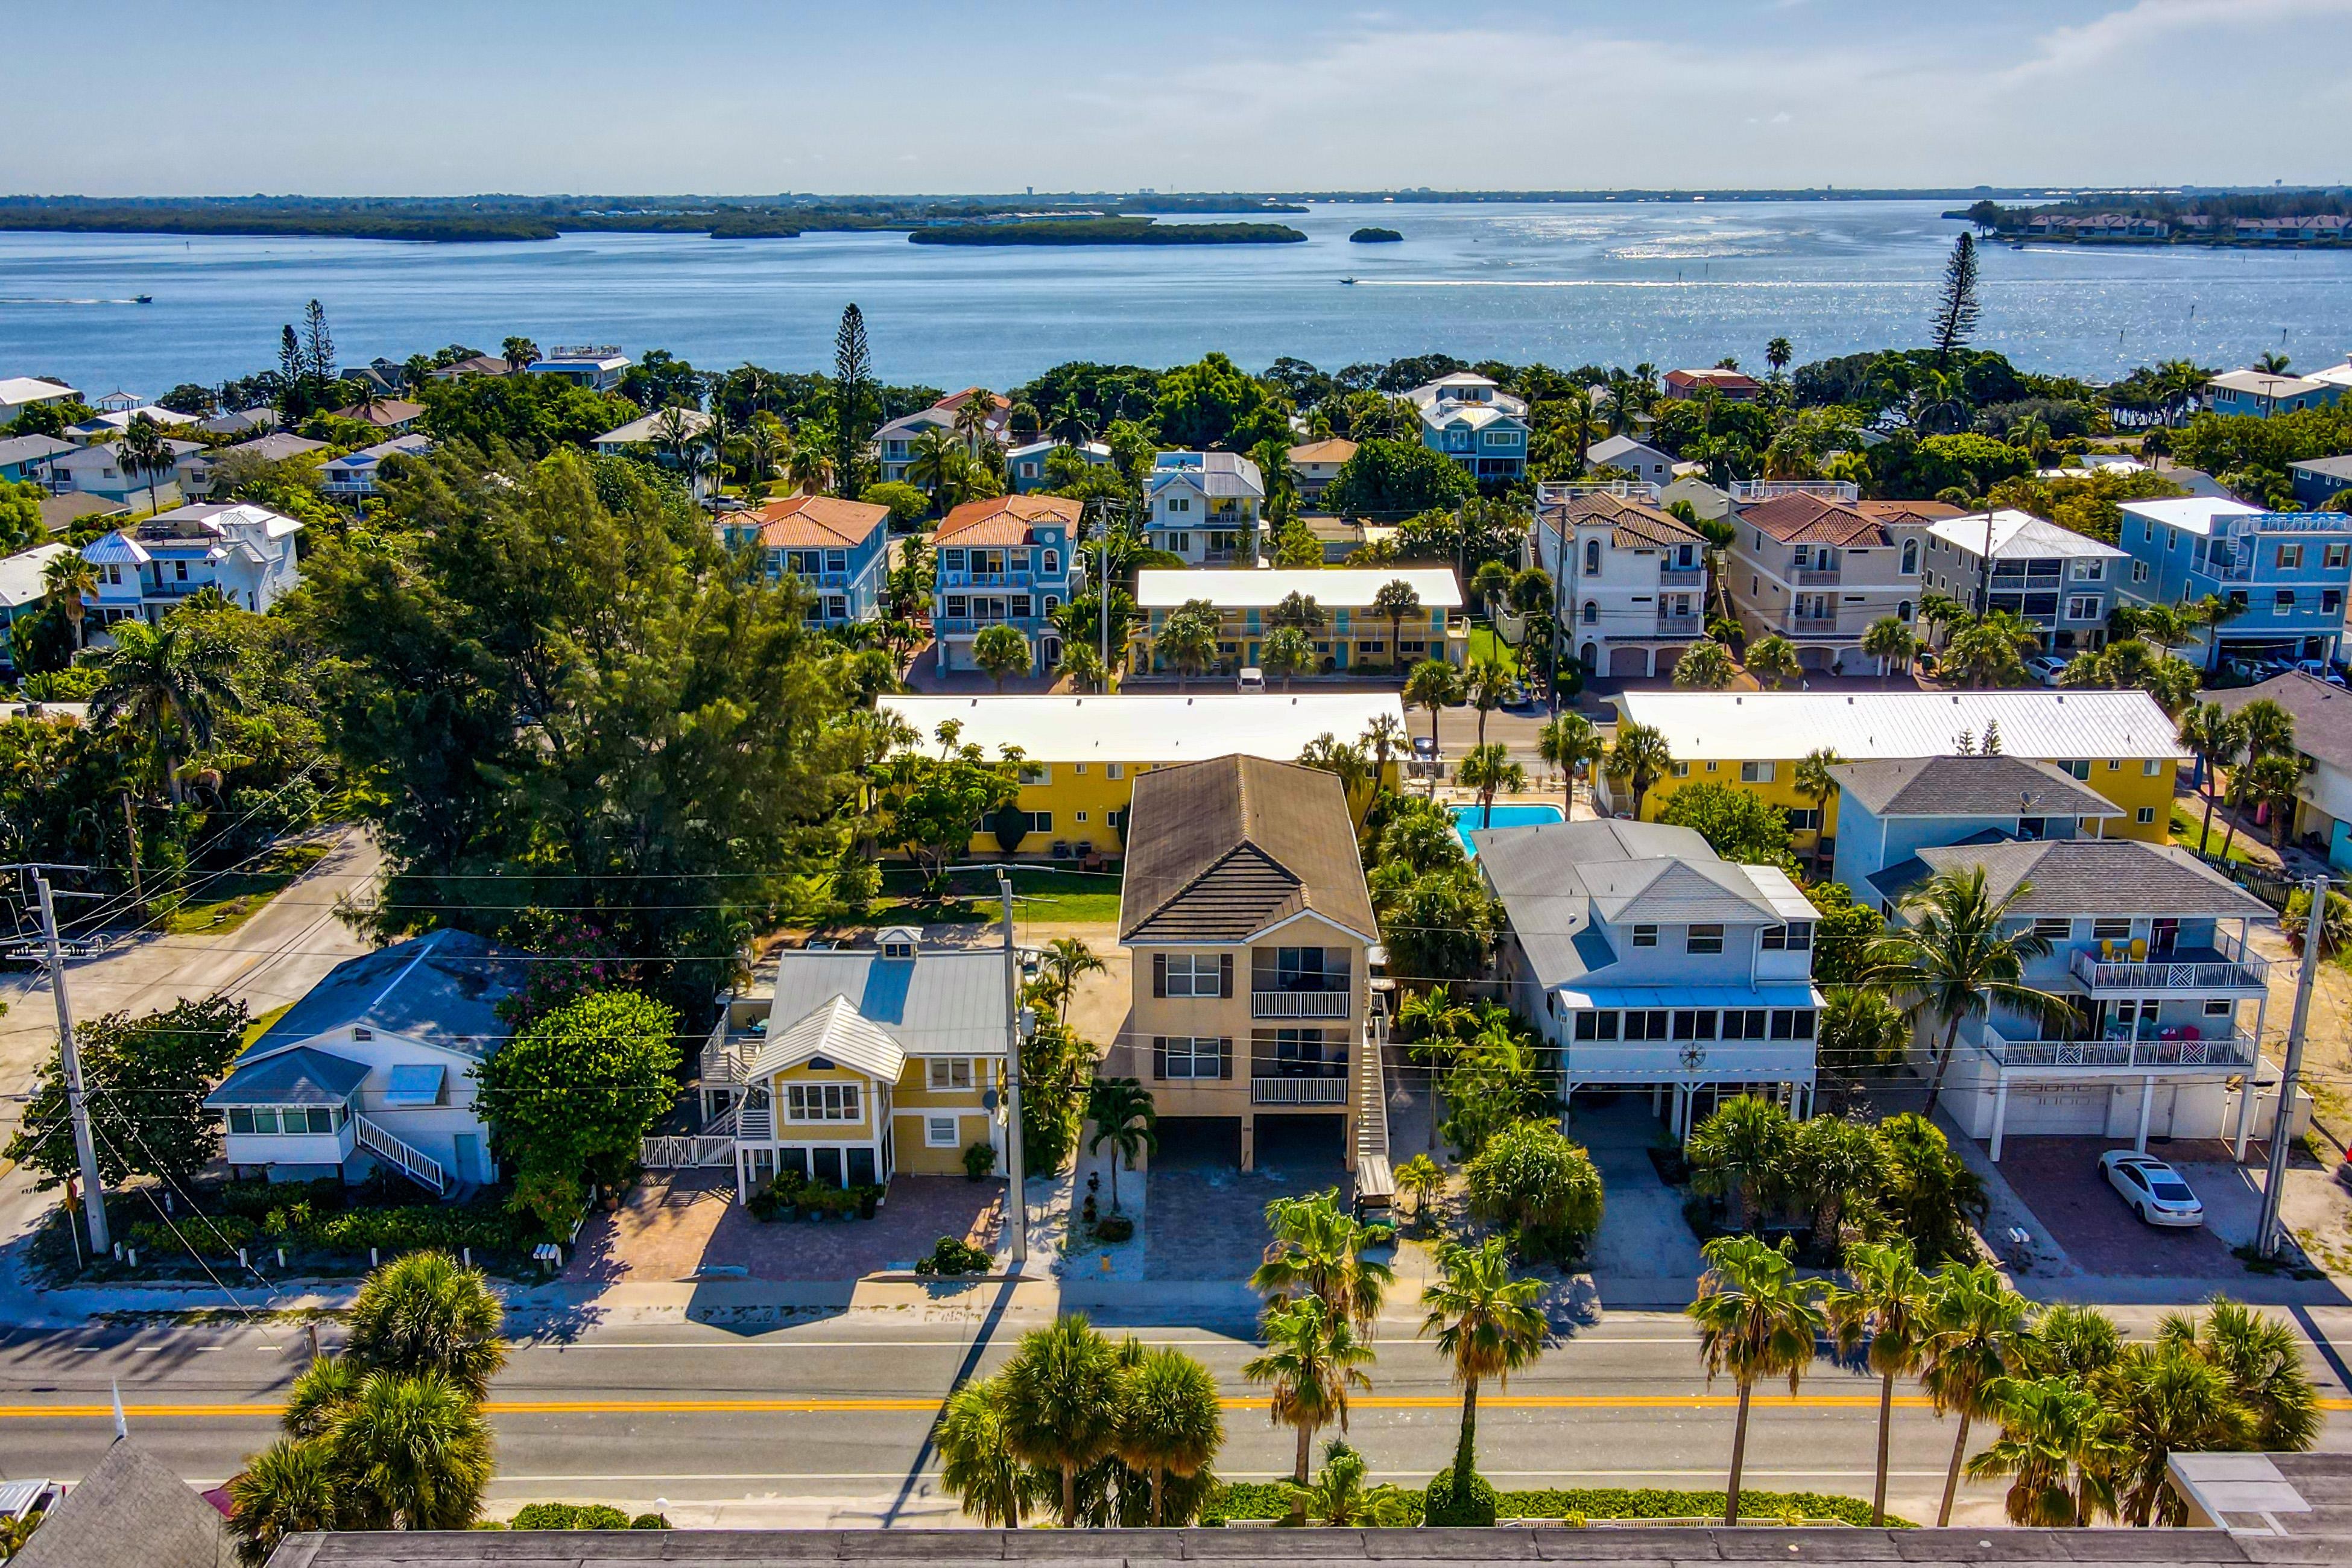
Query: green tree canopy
pixel 145 1080
pixel 1738 824
pixel 1216 403
pixel 575 1093
pixel 1398 477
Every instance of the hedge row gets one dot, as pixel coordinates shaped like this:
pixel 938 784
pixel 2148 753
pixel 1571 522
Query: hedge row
pixel 1271 1499
pixel 486 1229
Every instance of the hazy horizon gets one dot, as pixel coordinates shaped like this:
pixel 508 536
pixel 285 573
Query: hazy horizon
pixel 435 97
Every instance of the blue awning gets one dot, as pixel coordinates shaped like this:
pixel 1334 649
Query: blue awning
pixel 414 1084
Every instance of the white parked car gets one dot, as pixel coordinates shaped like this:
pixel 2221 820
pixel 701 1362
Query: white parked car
pixel 1252 679
pixel 2153 1189
pixel 2045 668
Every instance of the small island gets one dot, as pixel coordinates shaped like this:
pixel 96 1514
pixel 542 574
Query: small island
pixel 1374 237
pixel 1106 231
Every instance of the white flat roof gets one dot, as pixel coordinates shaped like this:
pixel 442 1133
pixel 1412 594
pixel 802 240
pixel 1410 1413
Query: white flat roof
pixel 23 389
pixel 1152 729
pixel 2192 514
pixel 2020 536
pixel 21 576
pixel 1759 726
pixel 1334 588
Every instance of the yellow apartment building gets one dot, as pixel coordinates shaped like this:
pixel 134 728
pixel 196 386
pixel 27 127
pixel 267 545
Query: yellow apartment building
pixel 1083 754
pixel 2119 744
pixel 1354 635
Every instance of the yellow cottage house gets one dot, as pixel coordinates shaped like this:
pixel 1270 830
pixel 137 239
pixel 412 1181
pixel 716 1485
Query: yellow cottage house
pixel 1083 754
pixel 2118 744
pixel 1247 913
pixel 863 1064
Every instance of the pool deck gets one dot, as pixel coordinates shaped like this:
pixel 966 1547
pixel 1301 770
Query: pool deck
pixel 1468 819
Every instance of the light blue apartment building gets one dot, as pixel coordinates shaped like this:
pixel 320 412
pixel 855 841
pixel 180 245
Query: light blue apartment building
pixel 2287 571
pixel 1890 808
pixel 1475 422
pixel 1006 560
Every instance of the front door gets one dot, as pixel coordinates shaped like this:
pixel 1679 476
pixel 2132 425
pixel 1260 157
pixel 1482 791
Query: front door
pixel 468 1159
pixel 861 1167
pixel 828 1166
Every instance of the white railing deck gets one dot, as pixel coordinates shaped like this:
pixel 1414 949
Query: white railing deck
pixel 1298 1091
pixel 1301 1004
pixel 692 1150
pixel 1375 1179
pixel 2228 1051
pixel 412 1161
pixel 2222 967
pixel 755 1124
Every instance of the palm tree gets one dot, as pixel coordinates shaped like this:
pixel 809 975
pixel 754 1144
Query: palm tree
pixel 2272 785
pixel 1705 665
pixel 1487 769
pixel 1125 1118
pixel 1068 958
pixel 1741 1153
pixel 1060 1403
pixel 933 462
pixel 318 1392
pixel 1170 1422
pixel 1396 599
pixel 1420 1180
pixel 414 1453
pixel 1756 1319
pixel 975 1463
pixel 2260 1359
pixel 1338 1498
pixel 1312 1359
pixel 1319 1250
pixel 1886 1305
pixel 1778 353
pixel 2214 734
pixel 808 468
pixel 290 1488
pixel 67 579
pixel 2265 729
pixel 144 449
pixel 1772 658
pixel 1817 783
pixel 1189 641
pixel 164 681
pixel 1961 951
pixel 1488 682
pixel 2163 1401
pixel 1349 765
pixel 1490 581
pixel 424 1313
pixel 2055 1448
pixel 1384 737
pixel 1570 743
pixel 1990 651
pixel 972 417
pixel 1285 652
pixel 762 450
pixel 1890 642
pixel 1977 1336
pixel 1486 1324
pixel 1082 665
pixel 520 353
pixel 1639 760
pixel 1433 684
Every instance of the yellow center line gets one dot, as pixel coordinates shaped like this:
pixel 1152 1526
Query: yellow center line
pixel 925 1406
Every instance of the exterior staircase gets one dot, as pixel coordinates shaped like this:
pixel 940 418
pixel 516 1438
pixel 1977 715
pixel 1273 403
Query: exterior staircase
pixel 1375 1181
pixel 407 1158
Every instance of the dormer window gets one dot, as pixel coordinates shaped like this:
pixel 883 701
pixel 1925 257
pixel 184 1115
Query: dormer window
pixel 363 1033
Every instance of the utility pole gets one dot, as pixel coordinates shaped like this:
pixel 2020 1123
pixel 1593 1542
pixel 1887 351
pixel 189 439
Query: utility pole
pixel 1016 1206
pixel 93 1195
pixel 2270 1233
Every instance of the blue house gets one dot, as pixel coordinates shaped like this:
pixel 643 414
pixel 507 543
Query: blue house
pixel 1003 561
pixel 25 458
pixel 2287 572
pixel 1475 422
pixel 2261 393
pixel 2319 480
pixel 1890 808
pixel 838 549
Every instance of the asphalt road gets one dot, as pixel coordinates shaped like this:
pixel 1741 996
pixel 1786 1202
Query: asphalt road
pixel 838 1408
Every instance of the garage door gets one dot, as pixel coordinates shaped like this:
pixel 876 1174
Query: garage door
pixel 2057 1109
pixel 1628 661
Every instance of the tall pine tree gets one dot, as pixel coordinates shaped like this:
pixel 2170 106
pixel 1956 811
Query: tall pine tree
pixel 293 400
pixel 1956 312
pixel 853 392
pixel 317 346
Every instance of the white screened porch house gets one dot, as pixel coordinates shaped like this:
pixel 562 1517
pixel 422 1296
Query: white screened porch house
pixel 2150 948
pixel 376 1067
pixel 1644 960
pixel 863 1064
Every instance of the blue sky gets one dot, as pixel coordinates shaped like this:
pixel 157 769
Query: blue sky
pixel 731 96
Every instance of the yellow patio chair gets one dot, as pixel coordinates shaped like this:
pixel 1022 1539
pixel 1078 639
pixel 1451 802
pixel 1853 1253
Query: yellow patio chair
pixel 2139 950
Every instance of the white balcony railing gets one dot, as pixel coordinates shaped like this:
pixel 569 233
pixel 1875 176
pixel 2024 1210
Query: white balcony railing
pixel 1301 1004
pixel 2230 1051
pixel 411 1161
pixel 1819 576
pixel 2218 968
pixel 1682 576
pixel 1678 625
pixel 1298 1091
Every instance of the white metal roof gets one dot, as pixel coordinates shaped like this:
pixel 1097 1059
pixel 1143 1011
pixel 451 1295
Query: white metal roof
pixel 649 427
pixel 1154 729
pixel 20 574
pixel 1756 726
pixel 1334 588
pixel 2192 514
pixel 2263 384
pixel 836 1031
pixel 2020 536
pixel 18 390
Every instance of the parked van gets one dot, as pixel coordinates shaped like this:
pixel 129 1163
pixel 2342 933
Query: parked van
pixel 1252 679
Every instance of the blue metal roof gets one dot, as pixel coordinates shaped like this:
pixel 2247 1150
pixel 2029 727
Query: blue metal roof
pixel 303 1075
pixel 443 989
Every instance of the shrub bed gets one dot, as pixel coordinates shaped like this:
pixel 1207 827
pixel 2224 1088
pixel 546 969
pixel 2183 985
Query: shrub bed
pixel 581 1516
pixel 1268 1500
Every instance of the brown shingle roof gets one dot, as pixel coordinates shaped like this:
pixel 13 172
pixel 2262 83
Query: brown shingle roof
pixel 820 520
pixel 2322 713
pixel 384 414
pixel 1219 850
pixel 1003 519
pixel 1335 450
pixel 1907 510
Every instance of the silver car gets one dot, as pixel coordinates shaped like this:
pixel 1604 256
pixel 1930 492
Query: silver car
pixel 2153 1189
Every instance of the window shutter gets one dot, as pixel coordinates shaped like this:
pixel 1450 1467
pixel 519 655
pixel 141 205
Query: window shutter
pixel 1159 1057
pixel 1159 974
pixel 1225 975
pixel 1224 1056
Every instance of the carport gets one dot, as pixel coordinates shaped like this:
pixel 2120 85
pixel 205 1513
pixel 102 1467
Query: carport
pixel 1198 1143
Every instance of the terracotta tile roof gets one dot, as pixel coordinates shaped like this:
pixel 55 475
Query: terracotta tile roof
pixel 1636 523
pixel 1814 520
pixel 1219 850
pixel 1727 381
pixel 1908 510
pixel 1004 520
pixel 1334 450
pixel 385 413
pixel 804 520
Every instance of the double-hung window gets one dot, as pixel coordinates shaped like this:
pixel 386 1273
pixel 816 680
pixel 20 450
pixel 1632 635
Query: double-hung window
pixel 1189 1057
pixel 1703 939
pixel 820 1103
pixel 949 1072
pixel 1195 974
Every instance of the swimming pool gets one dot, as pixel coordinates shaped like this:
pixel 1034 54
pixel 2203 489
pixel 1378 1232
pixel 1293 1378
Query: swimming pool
pixel 1468 819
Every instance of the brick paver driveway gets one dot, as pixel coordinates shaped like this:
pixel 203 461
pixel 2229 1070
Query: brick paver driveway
pixel 1206 1217
pixel 669 1229
pixel 2059 1178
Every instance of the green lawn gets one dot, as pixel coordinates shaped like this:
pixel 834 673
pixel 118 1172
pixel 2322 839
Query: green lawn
pixel 228 902
pixel 1069 896
pixel 2185 824
pixel 1484 644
